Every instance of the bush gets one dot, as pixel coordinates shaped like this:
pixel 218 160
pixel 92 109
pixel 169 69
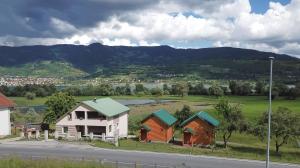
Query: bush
pixel 30 95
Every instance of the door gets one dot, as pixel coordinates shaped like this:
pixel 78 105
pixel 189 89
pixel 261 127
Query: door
pixel 80 128
pixel 187 138
pixel 143 135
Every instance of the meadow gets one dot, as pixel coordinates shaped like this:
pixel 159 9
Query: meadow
pixel 252 106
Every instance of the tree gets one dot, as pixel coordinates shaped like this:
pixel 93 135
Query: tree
pixel 285 125
pixel 281 88
pixel 183 114
pixel 245 89
pixel 166 87
pixel 127 89
pixel 180 89
pixel 104 90
pixel 233 86
pixel 31 116
pixel 41 92
pixel 57 105
pixel 156 92
pixel 139 88
pixel 260 88
pixel 231 119
pixel 198 89
pixel 216 90
pixel 293 93
pixel 74 91
pixel 30 95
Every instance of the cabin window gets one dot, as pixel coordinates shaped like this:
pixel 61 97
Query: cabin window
pixel 79 115
pixel 65 130
pixel 109 128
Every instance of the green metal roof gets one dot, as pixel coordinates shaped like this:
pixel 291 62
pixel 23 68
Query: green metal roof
pixel 106 106
pixel 146 127
pixel 165 117
pixel 203 116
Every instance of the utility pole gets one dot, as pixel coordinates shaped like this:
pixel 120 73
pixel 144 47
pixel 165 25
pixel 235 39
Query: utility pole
pixel 270 112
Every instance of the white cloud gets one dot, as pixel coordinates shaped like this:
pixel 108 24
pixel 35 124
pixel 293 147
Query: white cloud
pixel 62 26
pixel 226 23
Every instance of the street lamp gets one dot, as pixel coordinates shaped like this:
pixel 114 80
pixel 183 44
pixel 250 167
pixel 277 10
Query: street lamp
pixel 270 111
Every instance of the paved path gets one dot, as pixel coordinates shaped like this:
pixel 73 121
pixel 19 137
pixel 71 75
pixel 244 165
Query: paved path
pixel 75 151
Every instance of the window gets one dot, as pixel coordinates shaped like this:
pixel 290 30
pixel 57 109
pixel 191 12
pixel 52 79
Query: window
pixel 69 117
pixel 65 130
pixel 109 128
pixel 95 115
pixel 79 115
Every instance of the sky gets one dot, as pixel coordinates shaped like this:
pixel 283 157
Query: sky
pixel 265 25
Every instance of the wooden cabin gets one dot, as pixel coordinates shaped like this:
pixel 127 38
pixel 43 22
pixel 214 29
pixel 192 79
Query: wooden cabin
pixel 199 129
pixel 158 127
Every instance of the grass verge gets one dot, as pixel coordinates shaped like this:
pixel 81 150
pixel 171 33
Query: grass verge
pixel 240 151
pixel 20 163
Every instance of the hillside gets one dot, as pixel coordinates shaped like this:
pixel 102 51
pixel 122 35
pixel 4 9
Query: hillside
pixel 145 62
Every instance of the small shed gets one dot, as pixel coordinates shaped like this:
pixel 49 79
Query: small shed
pixel 158 127
pixel 199 129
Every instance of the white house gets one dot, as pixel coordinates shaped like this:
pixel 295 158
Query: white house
pixel 99 116
pixel 5 106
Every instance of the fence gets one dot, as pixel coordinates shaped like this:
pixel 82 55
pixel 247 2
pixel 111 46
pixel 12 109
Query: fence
pixel 101 161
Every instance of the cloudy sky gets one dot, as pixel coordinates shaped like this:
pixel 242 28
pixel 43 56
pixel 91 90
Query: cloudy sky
pixel 267 25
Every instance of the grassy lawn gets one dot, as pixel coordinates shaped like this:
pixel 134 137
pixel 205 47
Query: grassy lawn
pixel 255 152
pixel 19 163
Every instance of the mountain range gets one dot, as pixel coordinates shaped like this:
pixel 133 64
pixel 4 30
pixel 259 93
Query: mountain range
pixel 97 60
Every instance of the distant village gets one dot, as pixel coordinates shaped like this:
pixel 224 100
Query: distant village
pixel 22 81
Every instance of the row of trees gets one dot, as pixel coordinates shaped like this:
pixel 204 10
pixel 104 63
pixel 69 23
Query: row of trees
pixel 179 89
pixel 30 90
pixel 285 124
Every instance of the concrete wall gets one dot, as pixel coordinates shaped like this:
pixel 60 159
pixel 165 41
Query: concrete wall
pixel 119 124
pixel 5 122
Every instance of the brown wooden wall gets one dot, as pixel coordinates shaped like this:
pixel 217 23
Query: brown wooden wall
pixel 204 132
pixel 159 130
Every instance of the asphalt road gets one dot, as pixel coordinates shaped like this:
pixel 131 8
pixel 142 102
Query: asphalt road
pixel 74 151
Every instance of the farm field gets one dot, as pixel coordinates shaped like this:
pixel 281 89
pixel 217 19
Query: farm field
pixel 252 106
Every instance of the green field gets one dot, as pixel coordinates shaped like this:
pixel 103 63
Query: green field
pixel 252 106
